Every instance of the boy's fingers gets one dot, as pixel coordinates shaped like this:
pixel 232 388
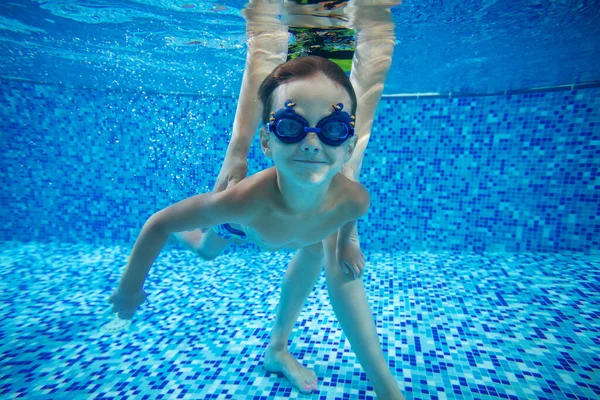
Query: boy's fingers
pixel 343 266
pixel 351 269
pixel 348 267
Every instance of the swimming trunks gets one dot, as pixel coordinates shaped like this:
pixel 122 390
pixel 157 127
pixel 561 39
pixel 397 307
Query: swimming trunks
pixel 328 4
pixel 335 44
pixel 226 231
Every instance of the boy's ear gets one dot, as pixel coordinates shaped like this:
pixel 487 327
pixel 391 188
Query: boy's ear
pixel 265 142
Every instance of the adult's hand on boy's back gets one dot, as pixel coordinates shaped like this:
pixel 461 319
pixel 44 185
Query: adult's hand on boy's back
pixel 233 170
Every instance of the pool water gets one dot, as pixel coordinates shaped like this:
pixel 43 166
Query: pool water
pixel 452 325
pixel 482 239
pixel 468 46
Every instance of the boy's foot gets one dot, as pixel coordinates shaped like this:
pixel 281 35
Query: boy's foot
pixel 282 361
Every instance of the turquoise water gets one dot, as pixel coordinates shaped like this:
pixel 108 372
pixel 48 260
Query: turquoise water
pixel 481 241
pixel 482 269
pixel 451 324
pixel 198 47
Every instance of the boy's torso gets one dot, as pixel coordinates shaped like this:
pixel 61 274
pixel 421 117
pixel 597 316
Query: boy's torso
pixel 280 231
pixel 274 227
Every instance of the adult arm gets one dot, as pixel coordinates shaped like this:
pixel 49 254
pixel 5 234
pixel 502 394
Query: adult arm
pixel 267 40
pixel 375 41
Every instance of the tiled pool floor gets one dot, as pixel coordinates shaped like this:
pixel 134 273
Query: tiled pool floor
pixel 452 326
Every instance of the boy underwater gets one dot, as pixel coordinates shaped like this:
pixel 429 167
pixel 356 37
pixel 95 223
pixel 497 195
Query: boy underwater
pixel 298 203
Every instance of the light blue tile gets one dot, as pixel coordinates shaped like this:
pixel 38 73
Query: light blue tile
pixel 205 327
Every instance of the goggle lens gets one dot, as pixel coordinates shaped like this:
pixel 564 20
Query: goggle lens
pixel 289 128
pixel 335 130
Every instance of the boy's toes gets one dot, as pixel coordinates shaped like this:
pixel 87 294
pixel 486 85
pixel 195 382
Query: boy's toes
pixel 310 383
pixel 306 389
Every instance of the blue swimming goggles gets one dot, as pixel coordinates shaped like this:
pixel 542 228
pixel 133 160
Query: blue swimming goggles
pixel 290 127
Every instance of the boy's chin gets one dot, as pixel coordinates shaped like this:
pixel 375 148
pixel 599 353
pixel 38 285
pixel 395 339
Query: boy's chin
pixel 313 177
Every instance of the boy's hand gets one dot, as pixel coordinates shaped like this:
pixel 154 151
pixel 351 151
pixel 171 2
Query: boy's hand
pixel 126 305
pixel 351 258
pixel 233 170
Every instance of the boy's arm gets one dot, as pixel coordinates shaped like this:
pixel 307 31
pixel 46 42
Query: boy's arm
pixel 199 211
pixel 349 256
pixel 358 206
pixel 345 233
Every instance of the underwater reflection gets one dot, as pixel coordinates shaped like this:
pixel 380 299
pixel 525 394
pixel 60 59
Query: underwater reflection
pixel 286 29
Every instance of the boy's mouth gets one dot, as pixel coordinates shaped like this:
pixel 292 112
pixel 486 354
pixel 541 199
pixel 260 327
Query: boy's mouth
pixel 310 161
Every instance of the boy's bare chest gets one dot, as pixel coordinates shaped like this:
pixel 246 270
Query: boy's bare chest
pixel 274 231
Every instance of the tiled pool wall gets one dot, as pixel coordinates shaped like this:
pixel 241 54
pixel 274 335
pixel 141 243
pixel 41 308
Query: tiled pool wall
pixel 490 173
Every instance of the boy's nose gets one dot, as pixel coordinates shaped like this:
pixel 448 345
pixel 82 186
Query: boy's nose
pixel 311 143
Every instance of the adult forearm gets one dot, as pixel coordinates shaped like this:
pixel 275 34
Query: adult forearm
pixel 267 40
pixel 148 245
pixel 247 117
pixel 375 41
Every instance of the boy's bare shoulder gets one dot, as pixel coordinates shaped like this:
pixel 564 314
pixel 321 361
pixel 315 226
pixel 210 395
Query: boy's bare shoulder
pixel 251 190
pixel 246 200
pixel 356 198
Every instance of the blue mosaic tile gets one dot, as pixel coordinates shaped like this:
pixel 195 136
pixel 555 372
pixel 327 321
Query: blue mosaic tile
pixel 496 173
pixel 499 173
pixel 452 325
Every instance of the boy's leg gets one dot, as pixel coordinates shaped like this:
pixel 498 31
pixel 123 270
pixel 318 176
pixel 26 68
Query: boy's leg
pixel 351 307
pixel 208 245
pixel 299 280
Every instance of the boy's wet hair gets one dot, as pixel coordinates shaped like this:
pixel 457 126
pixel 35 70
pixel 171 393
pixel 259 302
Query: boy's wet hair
pixel 298 68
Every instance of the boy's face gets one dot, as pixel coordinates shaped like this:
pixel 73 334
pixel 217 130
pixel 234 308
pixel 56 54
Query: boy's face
pixel 310 160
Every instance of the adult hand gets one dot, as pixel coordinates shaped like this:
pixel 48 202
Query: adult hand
pixel 233 170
